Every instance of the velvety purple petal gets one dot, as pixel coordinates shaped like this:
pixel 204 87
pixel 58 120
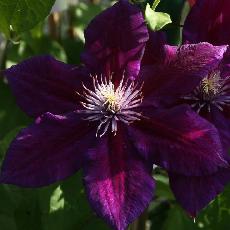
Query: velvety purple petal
pixel 222 123
pixel 42 84
pixel 195 193
pixel 155 48
pixel 180 141
pixel 225 64
pixel 208 21
pixel 115 41
pixel 165 84
pixel 49 150
pixel 118 183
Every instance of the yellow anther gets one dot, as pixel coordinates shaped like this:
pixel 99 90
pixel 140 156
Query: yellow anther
pixel 211 84
pixel 111 100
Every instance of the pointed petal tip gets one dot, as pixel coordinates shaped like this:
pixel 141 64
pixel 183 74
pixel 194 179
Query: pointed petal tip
pixel 111 182
pixel 194 193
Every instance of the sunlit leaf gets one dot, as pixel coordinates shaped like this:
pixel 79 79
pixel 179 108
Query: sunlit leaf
pixel 156 20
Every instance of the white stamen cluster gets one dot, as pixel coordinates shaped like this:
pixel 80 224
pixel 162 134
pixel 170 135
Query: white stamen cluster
pixel 213 90
pixel 108 105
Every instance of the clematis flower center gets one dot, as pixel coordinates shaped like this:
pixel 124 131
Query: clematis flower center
pixel 211 86
pixel 212 91
pixel 108 104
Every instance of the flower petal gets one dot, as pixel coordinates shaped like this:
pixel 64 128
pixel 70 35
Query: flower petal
pixel 194 193
pixel 213 27
pixel 49 150
pixel 165 84
pixel 119 184
pixel 222 123
pixel 115 41
pixel 42 84
pixel 180 141
pixel 155 48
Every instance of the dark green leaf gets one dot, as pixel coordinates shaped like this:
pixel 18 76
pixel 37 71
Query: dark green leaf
pixel 178 220
pixel 22 15
pixel 10 114
pixel 162 187
pixel 4 143
pixel 64 207
pixel 174 9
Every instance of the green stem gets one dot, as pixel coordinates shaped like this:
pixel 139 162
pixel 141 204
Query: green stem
pixel 3 52
pixel 155 4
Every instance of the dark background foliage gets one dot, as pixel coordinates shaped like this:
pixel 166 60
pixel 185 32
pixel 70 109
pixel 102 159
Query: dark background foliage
pixel 63 206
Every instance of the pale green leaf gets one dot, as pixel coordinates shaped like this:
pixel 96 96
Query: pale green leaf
pixel 156 20
pixel 155 4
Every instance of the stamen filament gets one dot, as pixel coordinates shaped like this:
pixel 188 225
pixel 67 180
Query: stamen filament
pixel 213 90
pixel 108 104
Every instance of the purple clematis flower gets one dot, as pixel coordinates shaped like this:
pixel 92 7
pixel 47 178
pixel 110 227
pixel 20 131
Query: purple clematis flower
pixel 99 117
pixel 214 26
pixel 211 97
pixel 208 95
